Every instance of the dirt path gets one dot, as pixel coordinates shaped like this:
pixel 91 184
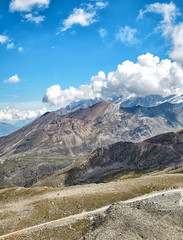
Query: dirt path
pixel 57 223
pixel 71 219
pixel 158 193
pixel 84 190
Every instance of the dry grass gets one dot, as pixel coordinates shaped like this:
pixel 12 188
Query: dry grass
pixel 41 210
pixel 71 232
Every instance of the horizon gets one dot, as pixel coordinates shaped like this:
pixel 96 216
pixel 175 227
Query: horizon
pixel 56 52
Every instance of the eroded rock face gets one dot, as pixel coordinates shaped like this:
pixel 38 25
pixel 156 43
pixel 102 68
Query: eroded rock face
pixel 147 156
pixel 54 141
pixel 155 154
pixel 158 218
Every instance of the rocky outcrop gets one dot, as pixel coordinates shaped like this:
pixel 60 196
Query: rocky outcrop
pixel 156 217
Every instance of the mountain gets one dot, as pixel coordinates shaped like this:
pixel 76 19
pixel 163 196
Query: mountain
pixel 62 111
pixel 144 101
pixel 52 142
pixel 147 101
pixel 164 151
pixel 81 104
pixel 77 105
pixel 6 129
pixel 22 123
pixel 22 155
pixel 98 110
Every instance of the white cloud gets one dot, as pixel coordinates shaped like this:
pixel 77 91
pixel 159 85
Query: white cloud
pixel 79 16
pixel 101 5
pixel 13 115
pixel 127 35
pixel 168 11
pixel 13 79
pixel 83 16
pixel 56 96
pixel 28 5
pixel 10 45
pixel 3 39
pixel 20 49
pixel 177 39
pixel 148 75
pixel 102 32
pixel 35 19
pixel 170 30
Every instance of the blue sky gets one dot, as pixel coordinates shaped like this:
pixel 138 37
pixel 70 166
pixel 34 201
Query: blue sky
pixel 64 50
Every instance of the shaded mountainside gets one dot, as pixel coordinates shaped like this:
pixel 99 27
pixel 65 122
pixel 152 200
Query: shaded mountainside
pixel 52 142
pixel 22 156
pixel 158 153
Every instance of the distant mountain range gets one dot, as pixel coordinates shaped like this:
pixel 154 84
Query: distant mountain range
pixel 152 100
pixel 53 142
pixel 146 101
pixel 6 128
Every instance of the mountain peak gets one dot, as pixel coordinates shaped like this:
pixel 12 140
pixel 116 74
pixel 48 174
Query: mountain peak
pixel 91 113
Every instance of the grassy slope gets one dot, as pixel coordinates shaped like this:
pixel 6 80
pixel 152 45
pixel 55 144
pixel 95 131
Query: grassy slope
pixel 21 208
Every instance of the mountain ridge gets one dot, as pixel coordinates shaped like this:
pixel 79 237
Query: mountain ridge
pixel 53 142
pixel 155 154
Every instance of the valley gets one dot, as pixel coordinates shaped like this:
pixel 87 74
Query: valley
pixel 60 174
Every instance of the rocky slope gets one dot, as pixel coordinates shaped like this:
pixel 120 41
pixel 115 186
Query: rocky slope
pixel 155 154
pixel 70 213
pixel 52 142
pixel 153 217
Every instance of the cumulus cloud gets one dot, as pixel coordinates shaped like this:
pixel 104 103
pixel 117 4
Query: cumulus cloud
pixel 149 75
pixel 28 5
pixel 35 19
pixel 56 96
pixel 79 16
pixel 13 115
pixel 10 45
pixel 3 39
pixel 13 79
pixel 102 32
pixel 127 35
pixel 83 16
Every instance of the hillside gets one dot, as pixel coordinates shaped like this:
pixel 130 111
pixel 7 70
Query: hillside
pixel 155 154
pixel 69 213
pixel 52 142
pixel 155 216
